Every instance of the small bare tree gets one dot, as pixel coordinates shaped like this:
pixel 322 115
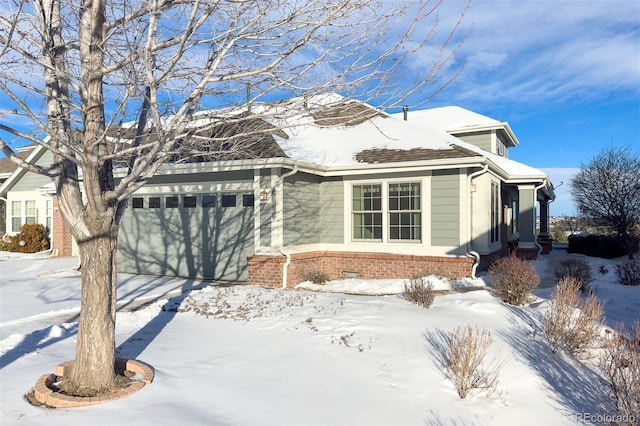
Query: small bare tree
pixel 607 189
pixel 468 348
pixel 117 85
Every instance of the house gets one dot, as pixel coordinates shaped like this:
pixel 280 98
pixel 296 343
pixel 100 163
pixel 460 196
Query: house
pixel 25 209
pixel 329 185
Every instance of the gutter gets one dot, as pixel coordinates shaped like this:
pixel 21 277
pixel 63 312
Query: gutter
pixel 470 252
pixel 285 253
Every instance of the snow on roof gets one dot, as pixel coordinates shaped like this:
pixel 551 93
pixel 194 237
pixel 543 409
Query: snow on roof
pixel 449 118
pixel 333 146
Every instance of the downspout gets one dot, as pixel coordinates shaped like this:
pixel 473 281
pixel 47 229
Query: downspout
pixel 470 252
pixel 287 255
pixel 535 200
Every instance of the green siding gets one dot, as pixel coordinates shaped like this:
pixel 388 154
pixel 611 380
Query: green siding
pixel 32 181
pixel 301 206
pixel 479 139
pixel 445 208
pixel 266 209
pixel 231 176
pixel 332 211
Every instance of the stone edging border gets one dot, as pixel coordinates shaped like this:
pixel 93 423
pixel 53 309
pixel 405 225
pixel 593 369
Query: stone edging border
pixel 46 395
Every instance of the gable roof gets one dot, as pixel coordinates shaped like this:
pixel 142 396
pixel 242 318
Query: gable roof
pixel 7 166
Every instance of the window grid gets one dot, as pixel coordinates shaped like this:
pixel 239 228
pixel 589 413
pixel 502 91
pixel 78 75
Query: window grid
pixel 16 216
pixel 405 212
pixel 367 212
pixel 49 214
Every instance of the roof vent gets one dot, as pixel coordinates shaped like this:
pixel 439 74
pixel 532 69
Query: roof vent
pixel 405 110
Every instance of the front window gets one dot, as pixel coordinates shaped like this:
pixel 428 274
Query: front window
pixel 387 212
pixel 495 212
pixel 404 211
pixel 367 212
pixel 30 211
pixel 49 215
pixel 16 216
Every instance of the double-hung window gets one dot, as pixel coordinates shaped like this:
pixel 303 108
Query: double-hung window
pixel 16 216
pixel 23 212
pixel 367 212
pixel 387 212
pixel 404 211
pixel 495 212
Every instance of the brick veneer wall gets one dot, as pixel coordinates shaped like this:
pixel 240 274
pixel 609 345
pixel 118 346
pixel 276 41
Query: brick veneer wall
pixel 267 270
pixel 62 240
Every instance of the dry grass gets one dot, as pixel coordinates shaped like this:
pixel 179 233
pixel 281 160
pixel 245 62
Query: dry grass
pixel 572 323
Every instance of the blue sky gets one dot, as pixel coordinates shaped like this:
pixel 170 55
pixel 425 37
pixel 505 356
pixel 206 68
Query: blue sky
pixel 564 74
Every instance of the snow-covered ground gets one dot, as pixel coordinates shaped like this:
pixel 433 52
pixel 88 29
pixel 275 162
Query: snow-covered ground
pixel 252 356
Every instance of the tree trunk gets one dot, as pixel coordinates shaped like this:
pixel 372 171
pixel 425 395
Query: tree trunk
pixel 93 369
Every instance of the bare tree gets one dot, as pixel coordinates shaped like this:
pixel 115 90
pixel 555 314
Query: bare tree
pixel 111 85
pixel 607 189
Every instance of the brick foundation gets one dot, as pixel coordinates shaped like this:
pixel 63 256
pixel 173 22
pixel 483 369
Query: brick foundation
pixel 267 270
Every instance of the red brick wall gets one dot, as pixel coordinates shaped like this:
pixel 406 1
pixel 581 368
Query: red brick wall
pixel 62 240
pixel 267 270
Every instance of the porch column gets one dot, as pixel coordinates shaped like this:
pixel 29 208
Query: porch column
pixel 544 239
pixel 527 216
pixel 544 218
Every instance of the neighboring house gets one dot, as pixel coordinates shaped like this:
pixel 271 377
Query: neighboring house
pixel 334 187
pixel 21 211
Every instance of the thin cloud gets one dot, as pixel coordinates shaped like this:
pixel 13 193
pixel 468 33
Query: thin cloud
pixel 533 51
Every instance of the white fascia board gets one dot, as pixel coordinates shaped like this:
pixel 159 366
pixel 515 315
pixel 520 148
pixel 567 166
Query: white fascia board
pixel 502 125
pixel 325 171
pixel 448 163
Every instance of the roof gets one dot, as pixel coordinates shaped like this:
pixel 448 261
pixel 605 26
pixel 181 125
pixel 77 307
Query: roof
pixel 332 132
pixel 457 120
pixel 7 166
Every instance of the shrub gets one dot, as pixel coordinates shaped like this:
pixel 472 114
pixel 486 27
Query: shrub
pixel 513 279
pixel 577 269
pixel 31 239
pixel 468 348
pixel 315 276
pixel 570 323
pixel 620 362
pixel 629 272
pixel 595 245
pixel 419 290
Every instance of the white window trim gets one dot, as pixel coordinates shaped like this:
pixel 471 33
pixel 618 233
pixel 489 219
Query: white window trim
pixel 425 212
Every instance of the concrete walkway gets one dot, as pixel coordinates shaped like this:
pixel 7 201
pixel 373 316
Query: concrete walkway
pixel 551 262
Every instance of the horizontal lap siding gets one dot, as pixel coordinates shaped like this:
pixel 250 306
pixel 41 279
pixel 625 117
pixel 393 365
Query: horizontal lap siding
pixel 445 208
pixel 332 212
pixel 300 209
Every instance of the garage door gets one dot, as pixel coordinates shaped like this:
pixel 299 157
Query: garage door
pixel 206 235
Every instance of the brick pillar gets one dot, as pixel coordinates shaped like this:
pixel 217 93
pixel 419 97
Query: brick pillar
pixel 61 239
